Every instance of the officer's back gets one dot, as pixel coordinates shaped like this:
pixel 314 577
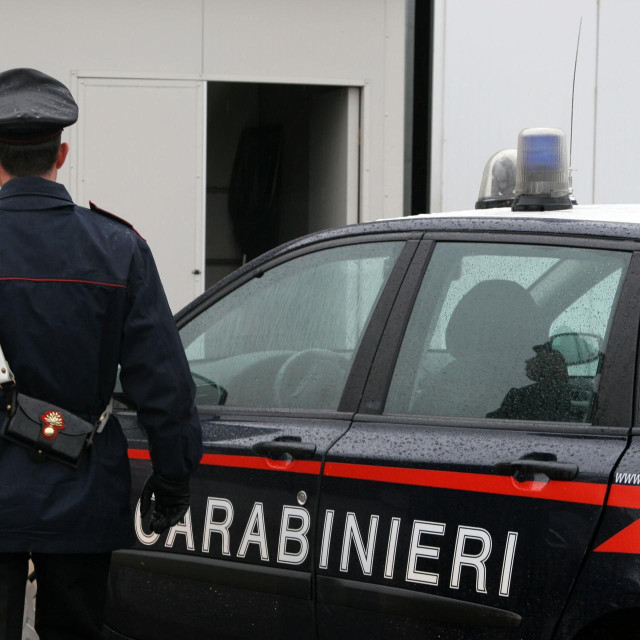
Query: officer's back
pixel 79 295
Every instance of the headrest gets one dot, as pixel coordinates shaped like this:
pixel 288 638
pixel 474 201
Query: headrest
pixel 494 316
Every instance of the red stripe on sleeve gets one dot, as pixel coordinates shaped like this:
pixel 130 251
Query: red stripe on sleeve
pixel 69 280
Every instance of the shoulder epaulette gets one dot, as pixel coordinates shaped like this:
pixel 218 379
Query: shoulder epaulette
pixel 94 207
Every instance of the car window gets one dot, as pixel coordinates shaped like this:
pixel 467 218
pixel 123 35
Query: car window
pixel 475 269
pixel 287 339
pixel 585 316
pixel 508 332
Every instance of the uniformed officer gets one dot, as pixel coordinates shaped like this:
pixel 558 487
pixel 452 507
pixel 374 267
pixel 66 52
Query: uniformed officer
pixel 79 294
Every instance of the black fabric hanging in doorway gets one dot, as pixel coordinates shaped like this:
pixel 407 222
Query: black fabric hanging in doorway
pixel 253 189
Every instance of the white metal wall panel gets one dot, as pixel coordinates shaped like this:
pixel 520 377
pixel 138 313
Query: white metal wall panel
pixel 618 134
pixel 143 36
pixel 140 155
pixel 146 36
pixel 504 66
pixel 330 38
pixel 292 41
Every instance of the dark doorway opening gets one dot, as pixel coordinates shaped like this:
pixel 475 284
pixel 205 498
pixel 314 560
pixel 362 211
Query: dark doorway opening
pixel 280 164
pixel 421 38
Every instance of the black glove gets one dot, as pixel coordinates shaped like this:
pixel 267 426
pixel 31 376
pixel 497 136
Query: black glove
pixel 172 501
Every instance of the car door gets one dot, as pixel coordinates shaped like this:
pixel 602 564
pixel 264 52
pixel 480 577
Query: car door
pixel 464 497
pixel 279 355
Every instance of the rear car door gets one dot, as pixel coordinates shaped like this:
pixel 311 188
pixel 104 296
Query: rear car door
pixel 463 499
pixel 278 355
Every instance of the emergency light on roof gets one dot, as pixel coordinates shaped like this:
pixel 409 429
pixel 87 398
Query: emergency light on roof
pixel 542 173
pixel 498 180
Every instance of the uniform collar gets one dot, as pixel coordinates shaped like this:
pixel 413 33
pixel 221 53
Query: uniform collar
pixel 33 193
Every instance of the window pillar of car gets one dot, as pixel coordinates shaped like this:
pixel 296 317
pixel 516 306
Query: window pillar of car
pixel 388 345
pixel 358 375
pixel 618 374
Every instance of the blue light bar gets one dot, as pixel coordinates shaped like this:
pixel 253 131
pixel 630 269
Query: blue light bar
pixel 542 173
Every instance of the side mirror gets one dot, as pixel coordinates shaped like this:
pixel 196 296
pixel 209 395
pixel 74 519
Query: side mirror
pixel 577 348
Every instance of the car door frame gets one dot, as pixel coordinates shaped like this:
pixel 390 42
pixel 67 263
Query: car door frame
pixel 267 579
pixel 613 412
pixel 618 382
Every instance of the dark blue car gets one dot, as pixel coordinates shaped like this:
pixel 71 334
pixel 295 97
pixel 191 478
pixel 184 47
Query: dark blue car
pixel 418 428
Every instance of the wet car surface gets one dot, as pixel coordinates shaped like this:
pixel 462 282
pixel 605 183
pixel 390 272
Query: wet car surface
pixel 413 428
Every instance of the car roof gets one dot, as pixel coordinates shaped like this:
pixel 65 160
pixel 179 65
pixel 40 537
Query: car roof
pixel 611 221
pixel 616 221
pixel 613 213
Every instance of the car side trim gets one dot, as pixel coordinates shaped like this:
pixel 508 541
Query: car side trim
pixel 573 428
pixel 284 582
pixel 261 463
pixel 588 493
pixel 535 237
pixel 412 604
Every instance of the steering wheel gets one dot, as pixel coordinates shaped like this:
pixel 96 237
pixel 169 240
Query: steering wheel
pixel 221 391
pixel 311 379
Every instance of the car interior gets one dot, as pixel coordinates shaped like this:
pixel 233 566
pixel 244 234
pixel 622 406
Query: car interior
pixel 482 319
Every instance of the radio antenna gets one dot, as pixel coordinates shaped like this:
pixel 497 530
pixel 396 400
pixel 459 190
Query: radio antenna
pixel 573 93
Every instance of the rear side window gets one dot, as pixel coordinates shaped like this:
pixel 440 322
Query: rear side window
pixel 513 332
pixel 287 339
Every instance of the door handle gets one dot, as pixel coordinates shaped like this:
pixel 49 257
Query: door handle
pixel 275 449
pixel 553 470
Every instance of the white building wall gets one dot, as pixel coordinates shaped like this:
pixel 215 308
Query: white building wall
pixel 504 65
pixel 322 42
pixel 617 161
pixel 150 36
pixel 499 66
pixel 298 41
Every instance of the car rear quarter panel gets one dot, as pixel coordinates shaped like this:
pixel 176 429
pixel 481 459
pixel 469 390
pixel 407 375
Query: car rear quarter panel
pixel 609 582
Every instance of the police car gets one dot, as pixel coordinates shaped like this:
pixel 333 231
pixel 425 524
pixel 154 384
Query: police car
pixel 418 428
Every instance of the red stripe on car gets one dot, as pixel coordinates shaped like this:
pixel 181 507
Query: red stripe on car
pixel 624 496
pixel 580 492
pixel 625 541
pixel 245 462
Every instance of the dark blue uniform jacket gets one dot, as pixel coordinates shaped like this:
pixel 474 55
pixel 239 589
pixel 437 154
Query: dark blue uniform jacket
pixel 79 294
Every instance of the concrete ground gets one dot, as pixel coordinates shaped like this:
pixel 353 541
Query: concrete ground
pixel 28 632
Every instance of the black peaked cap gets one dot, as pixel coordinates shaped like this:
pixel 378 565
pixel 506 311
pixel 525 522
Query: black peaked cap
pixel 33 106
